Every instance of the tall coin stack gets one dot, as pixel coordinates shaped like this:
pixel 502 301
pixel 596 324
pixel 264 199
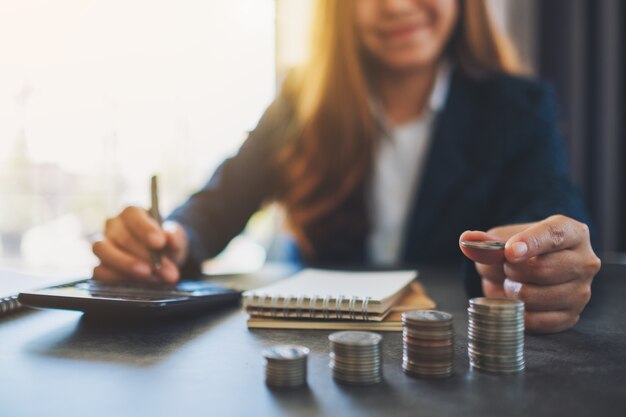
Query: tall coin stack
pixel 427 344
pixel 496 335
pixel 285 365
pixel 356 357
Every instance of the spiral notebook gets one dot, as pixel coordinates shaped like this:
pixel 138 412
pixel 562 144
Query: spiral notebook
pixel 414 299
pixel 13 282
pixel 315 295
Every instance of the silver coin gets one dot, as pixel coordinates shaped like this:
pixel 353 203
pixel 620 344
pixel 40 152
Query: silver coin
pixel 421 373
pixel 498 319
pixel 504 365
pixel 518 327
pixel 496 304
pixel 515 332
pixel 501 341
pixel 352 338
pixel 428 326
pixel 352 361
pixel 496 349
pixel 357 357
pixel 280 377
pixel 491 370
pixel 370 373
pixel 356 375
pixel 356 349
pixel 347 381
pixel 333 363
pixel 500 357
pixel 340 373
pixel 435 334
pixel 427 316
pixel 429 349
pixel 286 352
pixel 444 371
pixel 427 367
pixel 419 353
pixel 491 245
pixel 425 364
pixel 428 359
pixel 495 366
pixel 296 371
pixel 480 308
pixel 435 343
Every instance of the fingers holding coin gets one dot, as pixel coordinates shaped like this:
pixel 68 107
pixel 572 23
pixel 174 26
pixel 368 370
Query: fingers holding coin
pixel 549 265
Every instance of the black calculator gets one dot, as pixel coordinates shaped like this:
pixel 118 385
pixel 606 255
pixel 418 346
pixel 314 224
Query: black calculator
pixel 133 300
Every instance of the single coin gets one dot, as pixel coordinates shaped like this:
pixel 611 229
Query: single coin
pixel 343 379
pixel 483 244
pixel 351 338
pixel 286 352
pixel 357 355
pixel 435 343
pixel 421 316
pixel 496 305
pixel 488 369
pixel 349 360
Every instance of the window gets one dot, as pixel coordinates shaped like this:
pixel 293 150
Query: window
pixel 96 96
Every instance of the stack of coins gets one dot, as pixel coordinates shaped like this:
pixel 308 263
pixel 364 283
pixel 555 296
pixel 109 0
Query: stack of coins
pixel 356 357
pixel 285 365
pixel 496 335
pixel 427 344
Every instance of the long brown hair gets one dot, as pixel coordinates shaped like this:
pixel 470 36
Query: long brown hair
pixel 330 151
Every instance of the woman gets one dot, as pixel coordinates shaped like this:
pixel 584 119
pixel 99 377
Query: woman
pixel 406 127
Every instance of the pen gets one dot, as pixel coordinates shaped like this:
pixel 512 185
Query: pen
pixel 154 212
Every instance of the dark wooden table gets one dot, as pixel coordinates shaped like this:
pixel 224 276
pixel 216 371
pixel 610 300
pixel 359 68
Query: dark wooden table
pixel 57 363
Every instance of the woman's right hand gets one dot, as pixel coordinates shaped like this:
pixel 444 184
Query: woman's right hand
pixel 125 249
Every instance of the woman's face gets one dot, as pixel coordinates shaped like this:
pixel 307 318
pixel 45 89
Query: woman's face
pixel 405 34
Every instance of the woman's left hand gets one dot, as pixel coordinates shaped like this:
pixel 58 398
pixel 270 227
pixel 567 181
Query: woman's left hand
pixel 548 264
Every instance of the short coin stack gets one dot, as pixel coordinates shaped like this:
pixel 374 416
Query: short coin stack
pixel 496 335
pixel 285 365
pixel 427 344
pixel 356 357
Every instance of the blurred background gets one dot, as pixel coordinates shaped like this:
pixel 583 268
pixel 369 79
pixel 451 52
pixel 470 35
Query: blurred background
pixel 98 95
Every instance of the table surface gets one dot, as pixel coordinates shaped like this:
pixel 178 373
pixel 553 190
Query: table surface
pixel 58 363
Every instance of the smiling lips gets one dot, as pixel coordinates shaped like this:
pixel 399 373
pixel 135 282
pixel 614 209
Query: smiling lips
pixel 402 32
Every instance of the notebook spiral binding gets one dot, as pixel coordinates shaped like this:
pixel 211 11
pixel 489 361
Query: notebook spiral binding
pixel 9 304
pixel 299 306
pixel 281 306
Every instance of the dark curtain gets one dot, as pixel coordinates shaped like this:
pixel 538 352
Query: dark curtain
pixel 581 51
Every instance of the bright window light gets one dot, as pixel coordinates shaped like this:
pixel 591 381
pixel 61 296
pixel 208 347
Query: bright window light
pixel 96 96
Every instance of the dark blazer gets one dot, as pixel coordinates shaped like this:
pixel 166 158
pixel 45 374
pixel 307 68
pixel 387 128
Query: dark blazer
pixel 496 158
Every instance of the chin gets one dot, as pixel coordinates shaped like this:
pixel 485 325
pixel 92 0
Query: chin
pixel 409 62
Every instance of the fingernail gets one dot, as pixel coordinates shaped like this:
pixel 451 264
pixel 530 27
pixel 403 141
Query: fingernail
pixel 512 288
pixel 141 269
pixel 170 274
pixel 519 249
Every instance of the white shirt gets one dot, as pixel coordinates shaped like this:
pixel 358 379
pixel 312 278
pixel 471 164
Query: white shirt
pixel 397 170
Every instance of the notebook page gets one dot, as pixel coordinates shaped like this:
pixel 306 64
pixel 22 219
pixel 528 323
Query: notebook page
pixel 309 283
